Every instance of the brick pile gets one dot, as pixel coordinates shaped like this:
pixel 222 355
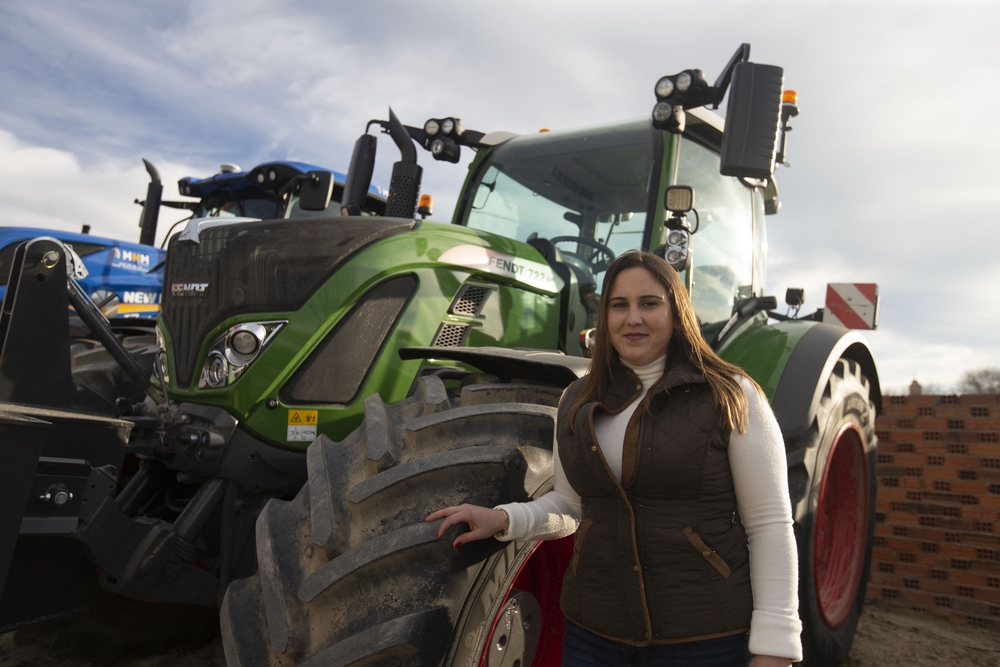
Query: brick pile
pixel 937 531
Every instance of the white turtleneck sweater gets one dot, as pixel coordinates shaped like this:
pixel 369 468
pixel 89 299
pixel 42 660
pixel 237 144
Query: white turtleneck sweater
pixel 757 460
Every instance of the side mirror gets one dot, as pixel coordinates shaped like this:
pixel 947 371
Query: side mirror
pixel 359 175
pixel 750 140
pixel 316 191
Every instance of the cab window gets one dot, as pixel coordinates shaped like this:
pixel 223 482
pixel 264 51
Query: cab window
pixel 722 268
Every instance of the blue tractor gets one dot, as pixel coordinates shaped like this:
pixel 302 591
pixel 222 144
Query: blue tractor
pixel 125 279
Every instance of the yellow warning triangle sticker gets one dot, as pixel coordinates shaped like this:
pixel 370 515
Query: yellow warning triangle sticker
pixel 295 419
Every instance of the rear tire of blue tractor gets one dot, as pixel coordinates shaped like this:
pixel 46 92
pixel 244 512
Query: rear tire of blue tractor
pixel 350 573
pixel 836 516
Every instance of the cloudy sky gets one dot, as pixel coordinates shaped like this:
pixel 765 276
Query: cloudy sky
pixel 895 158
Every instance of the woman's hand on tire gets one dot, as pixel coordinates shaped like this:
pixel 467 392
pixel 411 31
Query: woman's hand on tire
pixel 483 522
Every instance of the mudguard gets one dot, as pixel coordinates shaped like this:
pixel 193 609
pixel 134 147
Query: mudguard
pixel 810 363
pixel 792 361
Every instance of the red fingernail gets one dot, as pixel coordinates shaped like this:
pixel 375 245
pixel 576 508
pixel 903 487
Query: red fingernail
pixel 457 544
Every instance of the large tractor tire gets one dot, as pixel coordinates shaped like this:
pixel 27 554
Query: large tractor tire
pixel 350 573
pixel 836 517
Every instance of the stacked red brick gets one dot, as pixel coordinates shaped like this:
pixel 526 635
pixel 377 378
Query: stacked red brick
pixel 937 531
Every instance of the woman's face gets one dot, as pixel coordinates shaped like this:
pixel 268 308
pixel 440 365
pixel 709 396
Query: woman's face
pixel 640 320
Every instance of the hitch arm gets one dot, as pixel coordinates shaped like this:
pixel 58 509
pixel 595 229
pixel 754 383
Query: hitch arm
pixel 98 325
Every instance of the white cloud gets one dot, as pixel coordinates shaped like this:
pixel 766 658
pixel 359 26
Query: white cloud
pixel 902 357
pixel 48 189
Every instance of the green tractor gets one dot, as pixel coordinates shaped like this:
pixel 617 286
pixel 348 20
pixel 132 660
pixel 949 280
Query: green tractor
pixel 320 385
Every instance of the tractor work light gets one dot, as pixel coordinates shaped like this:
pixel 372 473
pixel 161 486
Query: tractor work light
pixel 447 125
pixel 676 93
pixel 272 175
pixel 432 127
pixel 662 112
pixel 445 148
pixel 679 198
pixel 664 87
pixel 232 352
pixel 677 249
pixel 260 177
pixel 683 81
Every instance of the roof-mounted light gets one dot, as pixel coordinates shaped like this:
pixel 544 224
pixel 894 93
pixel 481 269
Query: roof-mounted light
pixel 683 81
pixel 662 112
pixel 664 87
pixel 432 127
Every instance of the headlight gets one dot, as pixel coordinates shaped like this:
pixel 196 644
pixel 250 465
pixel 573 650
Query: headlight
pixel 232 352
pixel 272 175
pixel 216 370
pixel 244 343
pixel 664 87
pixel 161 356
pixel 260 177
pixel 431 127
pixel 447 125
pixel 437 147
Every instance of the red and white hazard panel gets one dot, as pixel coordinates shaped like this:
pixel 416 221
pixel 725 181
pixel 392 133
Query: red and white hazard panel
pixel 852 305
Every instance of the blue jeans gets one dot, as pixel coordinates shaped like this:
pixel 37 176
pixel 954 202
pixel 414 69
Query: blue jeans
pixel 585 649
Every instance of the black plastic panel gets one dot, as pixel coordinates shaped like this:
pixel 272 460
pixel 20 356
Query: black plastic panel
pixel 274 265
pixel 336 369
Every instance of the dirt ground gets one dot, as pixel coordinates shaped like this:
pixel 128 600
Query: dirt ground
pixel 889 637
pixel 886 637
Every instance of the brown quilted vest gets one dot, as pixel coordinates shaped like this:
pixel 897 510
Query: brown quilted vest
pixel 661 557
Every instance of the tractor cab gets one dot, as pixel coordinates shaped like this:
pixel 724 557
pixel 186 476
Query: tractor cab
pixel 583 197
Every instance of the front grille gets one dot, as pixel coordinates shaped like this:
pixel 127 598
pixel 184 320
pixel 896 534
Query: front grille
pixel 337 368
pixel 451 335
pixel 256 267
pixel 470 300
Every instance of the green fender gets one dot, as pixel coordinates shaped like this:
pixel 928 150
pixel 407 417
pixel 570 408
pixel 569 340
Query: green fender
pixel 792 360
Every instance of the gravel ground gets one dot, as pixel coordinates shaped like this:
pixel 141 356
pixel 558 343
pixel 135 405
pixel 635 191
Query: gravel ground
pixel 887 637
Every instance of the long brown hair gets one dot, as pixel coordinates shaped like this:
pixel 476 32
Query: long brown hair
pixel 685 343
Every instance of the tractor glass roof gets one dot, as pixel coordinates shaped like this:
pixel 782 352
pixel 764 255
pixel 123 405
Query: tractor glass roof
pixel 591 183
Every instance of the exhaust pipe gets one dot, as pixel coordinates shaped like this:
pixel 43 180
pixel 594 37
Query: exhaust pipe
pixel 151 208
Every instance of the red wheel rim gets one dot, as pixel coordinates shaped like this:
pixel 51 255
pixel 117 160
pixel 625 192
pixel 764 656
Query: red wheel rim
pixel 541 575
pixel 841 526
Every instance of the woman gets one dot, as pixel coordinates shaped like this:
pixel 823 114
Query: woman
pixel 670 468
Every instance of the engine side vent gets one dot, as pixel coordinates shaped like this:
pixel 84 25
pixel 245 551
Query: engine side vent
pixel 337 368
pixel 470 300
pixel 451 335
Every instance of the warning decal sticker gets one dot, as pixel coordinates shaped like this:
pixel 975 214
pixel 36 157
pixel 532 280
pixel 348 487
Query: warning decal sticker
pixel 302 425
